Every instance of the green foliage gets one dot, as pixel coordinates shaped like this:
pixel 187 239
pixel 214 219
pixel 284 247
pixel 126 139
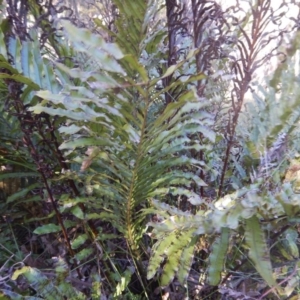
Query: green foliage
pixel 217 257
pixel 123 282
pixel 49 288
pixel 131 157
pixel 258 250
pixel 138 158
pixel 175 249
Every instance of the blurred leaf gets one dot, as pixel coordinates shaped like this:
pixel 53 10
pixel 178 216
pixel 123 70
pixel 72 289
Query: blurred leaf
pixel 45 229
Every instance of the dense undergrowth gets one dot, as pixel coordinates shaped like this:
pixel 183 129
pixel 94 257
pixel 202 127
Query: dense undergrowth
pixel 148 159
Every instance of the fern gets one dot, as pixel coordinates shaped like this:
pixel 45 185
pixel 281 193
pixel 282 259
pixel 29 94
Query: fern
pixel 227 213
pixel 49 288
pixel 176 250
pixel 142 151
pixel 258 250
pixel 217 257
pixel 271 113
pixel 134 135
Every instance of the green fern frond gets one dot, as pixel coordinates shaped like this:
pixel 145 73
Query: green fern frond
pixel 176 250
pixel 140 157
pixel 258 250
pixel 217 257
pixel 273 112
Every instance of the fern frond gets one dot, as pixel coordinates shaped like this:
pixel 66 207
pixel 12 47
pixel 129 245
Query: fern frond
pixel 144 156
pixel 217 257
pixel 258 250
pixel 47 288
pixel 176 250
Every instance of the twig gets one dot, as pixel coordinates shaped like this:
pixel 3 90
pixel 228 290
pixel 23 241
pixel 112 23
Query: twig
pixel 281 283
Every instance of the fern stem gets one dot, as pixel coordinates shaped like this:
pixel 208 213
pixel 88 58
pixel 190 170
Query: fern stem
pixel 37 158
pixel 62 161
pixel 57 213
pixel 131 241
pixel 249 52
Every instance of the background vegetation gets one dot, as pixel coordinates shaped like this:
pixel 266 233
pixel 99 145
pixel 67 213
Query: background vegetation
pixel 149 149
